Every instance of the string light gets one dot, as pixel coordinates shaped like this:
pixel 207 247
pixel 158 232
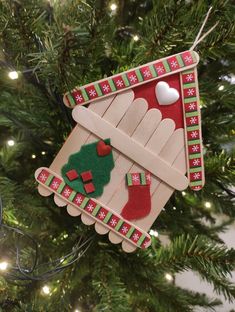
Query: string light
pixel 168 277
pixel 221 88
pixel 3 266
pixel 77 310
pixel 136 38
pixel 10 142
pixel 207 204
pixel 153 233
pixel 46 290
pixel 174 208
pixel 43 153
pixel 13 75
pixel 113 7
pixel 33 156
pixel 183 193
pixel 40 272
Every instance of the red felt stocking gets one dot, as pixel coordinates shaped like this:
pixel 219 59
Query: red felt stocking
pixel 139 202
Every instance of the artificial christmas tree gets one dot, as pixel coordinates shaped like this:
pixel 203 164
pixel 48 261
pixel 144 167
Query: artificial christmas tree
pixel 52 47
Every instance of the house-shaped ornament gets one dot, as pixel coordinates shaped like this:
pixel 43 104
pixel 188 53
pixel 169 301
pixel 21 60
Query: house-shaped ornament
pixel 131 148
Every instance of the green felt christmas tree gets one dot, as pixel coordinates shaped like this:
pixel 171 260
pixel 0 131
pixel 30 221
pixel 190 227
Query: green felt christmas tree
pixel 89 160
pixel 47 48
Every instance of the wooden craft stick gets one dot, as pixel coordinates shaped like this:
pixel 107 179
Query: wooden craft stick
pixel 128 247
pixel 77 138
pixel 114 114
pixel 161 136
pixel 155 143
pixel 73 211
pixel 43 191
pixel 118 201
pixel 103 105
pixel 192 126
pixel 87 219
pixel 59 201
pixel 101 110
pixel 128 124
pixel 119 107
pixel 162 194
pixel 134 113
pixel 142 134
pixel 133 116
pixel 131 148
pixel 171 151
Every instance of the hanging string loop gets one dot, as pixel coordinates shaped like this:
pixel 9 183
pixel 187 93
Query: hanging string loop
pixel 198 39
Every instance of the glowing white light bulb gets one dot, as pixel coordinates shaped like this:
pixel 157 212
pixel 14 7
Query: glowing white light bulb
pixel 3 266
pixel 33 156
pixel 221 88
pixel 46 290
pixel 13 75
pixel 168 277
pixel 136 38
pixel 153 233
pixel 43 153
pixel 113 7
pixel 207 204
pixel 183 193
pixel 174 208
pixel 10 142
pixel 77 310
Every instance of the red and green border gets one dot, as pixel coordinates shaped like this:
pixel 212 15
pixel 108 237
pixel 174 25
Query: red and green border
pixel 104 215
pixel 192 125
pixel 131 78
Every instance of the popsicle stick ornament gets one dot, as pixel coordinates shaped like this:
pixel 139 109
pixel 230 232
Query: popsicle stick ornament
pixel 142 130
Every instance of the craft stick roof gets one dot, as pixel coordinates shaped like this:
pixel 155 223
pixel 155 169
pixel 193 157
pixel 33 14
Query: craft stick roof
pixel 131 78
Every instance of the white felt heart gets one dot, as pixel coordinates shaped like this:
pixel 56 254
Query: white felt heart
pixel 166 95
